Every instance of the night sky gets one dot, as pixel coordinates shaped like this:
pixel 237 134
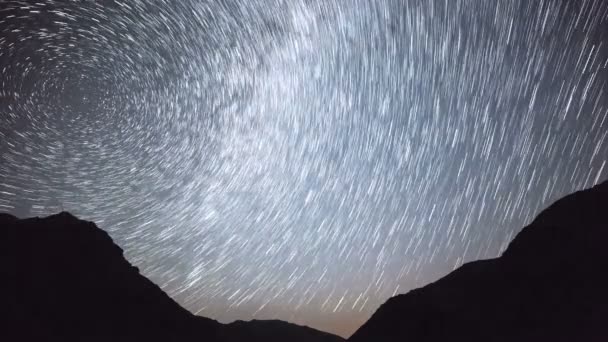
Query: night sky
pixel 301 160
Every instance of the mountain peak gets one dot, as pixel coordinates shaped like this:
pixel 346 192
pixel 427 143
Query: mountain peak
pixel 65 279
pixel 549 285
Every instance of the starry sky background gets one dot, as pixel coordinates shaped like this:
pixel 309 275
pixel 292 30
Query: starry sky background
pixel 301 160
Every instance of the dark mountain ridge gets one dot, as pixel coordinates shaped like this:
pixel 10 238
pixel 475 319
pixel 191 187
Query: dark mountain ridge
pixel 550 284
pixel 64 279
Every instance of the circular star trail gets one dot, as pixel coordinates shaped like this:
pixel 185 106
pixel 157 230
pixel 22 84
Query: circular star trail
pixel 301 160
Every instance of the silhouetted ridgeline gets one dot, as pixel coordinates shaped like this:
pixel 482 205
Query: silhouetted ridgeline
pixel 551 284
pixel 64 279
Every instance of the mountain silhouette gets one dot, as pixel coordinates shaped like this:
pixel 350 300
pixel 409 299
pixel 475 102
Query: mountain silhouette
pixel 64 279
pixel 550 284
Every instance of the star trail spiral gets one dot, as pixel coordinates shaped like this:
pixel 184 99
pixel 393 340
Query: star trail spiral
pixel 301 160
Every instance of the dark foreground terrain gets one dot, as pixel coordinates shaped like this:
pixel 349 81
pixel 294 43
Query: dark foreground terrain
pixel 63 279
pixel 551 284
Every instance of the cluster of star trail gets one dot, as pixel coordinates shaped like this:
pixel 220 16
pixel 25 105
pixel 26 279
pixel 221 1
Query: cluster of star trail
pixel 301 160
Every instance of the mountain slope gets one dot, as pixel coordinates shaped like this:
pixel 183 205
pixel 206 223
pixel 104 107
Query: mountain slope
pixel 549 285
pixel 64 279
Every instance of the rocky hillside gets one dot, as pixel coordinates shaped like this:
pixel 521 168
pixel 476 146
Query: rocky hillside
pixel 63 279
pixel 549 285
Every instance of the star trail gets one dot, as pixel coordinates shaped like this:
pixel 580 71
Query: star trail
pixel 301 160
